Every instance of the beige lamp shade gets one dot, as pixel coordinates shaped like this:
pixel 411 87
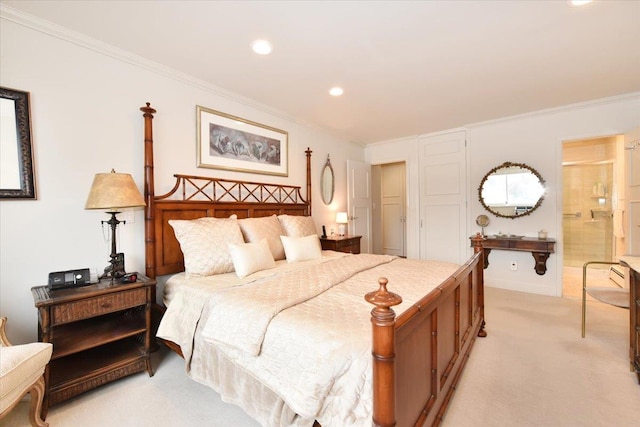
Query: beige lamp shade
pixel 341 218
pixel 112 191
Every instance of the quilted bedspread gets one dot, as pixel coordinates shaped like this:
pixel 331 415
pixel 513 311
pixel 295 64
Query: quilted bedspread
pixel 304 334
pixel 239 316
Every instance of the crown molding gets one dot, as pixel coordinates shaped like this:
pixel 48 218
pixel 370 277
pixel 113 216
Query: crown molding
pixel 54 30
pixel 562 108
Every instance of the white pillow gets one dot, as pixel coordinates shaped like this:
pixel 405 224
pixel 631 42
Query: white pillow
pixel 301 248
pixel 251 257
pixel 204 244
pixel 297 226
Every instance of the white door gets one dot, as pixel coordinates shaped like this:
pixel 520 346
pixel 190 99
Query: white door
pixel 443 194
pixel 392 195
pixel 631 223
pixel 359 202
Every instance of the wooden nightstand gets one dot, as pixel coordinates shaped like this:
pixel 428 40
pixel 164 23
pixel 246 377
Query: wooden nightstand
pixel 348 244
pixel 99 332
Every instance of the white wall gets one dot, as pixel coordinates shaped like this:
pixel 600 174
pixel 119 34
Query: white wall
pixel 85 100
pixel 535 139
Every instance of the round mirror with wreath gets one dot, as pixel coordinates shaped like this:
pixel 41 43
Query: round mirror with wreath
pixel 511 190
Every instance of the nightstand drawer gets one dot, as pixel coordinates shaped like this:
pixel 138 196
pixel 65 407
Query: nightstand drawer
pixel 347 246
pixel 91 307
pixel 344 244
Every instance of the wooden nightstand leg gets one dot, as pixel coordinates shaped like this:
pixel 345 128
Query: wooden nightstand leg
pixel 149 367
pixel 149 339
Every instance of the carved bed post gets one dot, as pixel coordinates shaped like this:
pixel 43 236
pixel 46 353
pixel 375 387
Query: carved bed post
pixel 308 153
pixel 476 242
pixel 149 193
pixel 383 320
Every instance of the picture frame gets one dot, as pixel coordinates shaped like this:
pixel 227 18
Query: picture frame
pixel 236 144
pixel 16 155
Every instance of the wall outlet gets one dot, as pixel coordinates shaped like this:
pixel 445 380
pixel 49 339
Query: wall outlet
pixel 514 265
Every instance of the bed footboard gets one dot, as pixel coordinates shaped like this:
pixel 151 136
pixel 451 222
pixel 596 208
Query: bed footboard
pixel 419 356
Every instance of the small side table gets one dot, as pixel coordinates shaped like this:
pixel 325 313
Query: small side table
pixel 100 333
pixel 348 244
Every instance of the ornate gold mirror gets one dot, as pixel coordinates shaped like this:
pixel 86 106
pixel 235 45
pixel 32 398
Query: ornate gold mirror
pixel 327 183
pixel 511 190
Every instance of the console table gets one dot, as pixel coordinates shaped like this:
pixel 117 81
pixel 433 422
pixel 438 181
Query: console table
pixel 539 248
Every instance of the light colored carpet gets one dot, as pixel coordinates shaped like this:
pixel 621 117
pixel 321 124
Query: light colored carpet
pixel 572 280
pixel 533 369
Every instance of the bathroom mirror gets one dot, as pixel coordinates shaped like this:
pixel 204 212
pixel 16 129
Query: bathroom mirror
pixel 327 184
pixel 511 190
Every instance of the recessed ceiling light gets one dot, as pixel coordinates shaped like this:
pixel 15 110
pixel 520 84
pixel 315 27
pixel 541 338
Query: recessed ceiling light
pixel 336 91
pixel 261 47
pixel 578 3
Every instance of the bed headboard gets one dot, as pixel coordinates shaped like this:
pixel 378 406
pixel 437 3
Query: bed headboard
pixel 195 197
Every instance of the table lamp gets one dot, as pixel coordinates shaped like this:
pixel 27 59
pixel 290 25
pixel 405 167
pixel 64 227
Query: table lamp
pixel 113 191
pixel 342 219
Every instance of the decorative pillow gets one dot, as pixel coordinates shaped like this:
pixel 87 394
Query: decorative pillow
pixel 301 248
pixel 297 226
pixel 256 229
pixel 251 257
pixel 204 243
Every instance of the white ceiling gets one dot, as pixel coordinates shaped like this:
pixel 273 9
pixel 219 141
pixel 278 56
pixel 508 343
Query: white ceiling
pixel 407 67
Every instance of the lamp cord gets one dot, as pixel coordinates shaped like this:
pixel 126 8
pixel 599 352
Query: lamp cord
pixel 106 236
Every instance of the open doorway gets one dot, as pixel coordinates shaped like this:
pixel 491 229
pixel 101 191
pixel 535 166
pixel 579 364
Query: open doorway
pixel 593 187
pixel 389 218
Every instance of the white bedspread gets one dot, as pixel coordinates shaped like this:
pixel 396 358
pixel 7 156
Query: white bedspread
pixel 315 347
pixel 239 316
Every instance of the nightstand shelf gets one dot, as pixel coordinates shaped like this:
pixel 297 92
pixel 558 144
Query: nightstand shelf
pixel 100 333
pixel 90 333
pixel 68 370
pixel 348 244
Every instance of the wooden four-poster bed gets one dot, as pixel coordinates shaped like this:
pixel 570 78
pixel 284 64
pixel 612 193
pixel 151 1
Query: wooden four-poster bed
pixel 414 359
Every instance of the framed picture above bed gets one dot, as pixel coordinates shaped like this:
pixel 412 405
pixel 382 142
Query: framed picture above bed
pixel 233 143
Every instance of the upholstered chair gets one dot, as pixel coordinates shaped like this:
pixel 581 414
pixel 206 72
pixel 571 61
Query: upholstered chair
pixel 22 372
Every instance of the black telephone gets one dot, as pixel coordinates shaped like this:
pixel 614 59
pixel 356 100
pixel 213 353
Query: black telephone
pixel 324 232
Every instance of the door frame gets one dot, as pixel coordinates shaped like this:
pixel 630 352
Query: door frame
pixel 410 215
pixel 353 204
pixel 560 198
pixel 379 207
